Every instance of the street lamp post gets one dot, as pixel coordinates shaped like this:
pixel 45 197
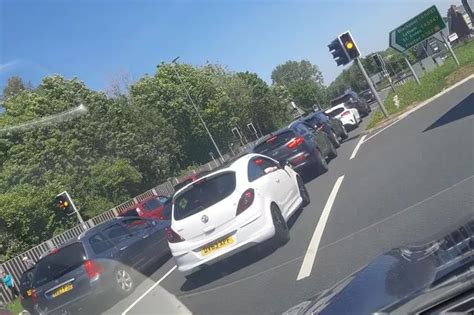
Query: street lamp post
pixel 197 109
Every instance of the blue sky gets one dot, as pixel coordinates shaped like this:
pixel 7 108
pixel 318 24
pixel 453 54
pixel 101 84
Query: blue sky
pixel 97 39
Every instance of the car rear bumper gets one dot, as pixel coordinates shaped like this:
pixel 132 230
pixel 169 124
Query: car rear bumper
pixel 74 303
pixel 256 229
pixel 348 120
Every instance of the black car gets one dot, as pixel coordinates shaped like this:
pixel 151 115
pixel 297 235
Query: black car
pixel 331 126
pixel 352 100
pixel 300 146
pixel 368 95
pixel 434 278
pixel 103 258
pixel 26 289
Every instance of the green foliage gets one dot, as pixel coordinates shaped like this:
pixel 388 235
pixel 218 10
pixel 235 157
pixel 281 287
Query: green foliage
pixel 15 306
pixel 304 82
pixel 122 146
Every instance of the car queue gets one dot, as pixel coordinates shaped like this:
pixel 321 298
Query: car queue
pixel 245 202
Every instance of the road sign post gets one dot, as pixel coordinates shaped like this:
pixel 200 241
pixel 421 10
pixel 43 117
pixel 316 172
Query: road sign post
pixel 412 70
pixel 448 44
pixel 416 30
pixel 371 86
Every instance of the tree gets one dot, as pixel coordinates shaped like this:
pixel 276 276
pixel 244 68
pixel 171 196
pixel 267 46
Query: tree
pixel 304 82
pixel 122 146
pixel 14 86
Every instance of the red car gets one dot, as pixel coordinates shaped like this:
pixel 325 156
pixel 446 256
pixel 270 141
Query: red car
pixel 189 179
pixel 152 208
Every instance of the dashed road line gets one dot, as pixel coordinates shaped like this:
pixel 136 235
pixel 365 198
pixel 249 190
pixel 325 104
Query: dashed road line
pixel 310 256
pixel 148 291
pixel 357 147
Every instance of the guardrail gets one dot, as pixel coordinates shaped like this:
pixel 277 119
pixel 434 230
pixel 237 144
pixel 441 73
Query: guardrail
pixel 16 266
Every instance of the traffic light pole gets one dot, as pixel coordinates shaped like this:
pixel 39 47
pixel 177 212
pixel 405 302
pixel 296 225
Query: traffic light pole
pixel 372 88
pixel 84 225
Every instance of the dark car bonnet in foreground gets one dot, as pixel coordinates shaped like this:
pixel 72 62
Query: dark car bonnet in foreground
pixel 435 277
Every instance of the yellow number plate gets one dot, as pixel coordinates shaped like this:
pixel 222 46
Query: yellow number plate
pixel 62 290
pixel 217 245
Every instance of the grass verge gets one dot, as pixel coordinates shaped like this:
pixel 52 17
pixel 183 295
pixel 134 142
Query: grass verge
pixel 431 83
pixel 15 306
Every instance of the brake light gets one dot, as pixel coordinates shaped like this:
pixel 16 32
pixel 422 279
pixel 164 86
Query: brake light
pixel 93 269
pixel 245 201
pixel 172 236
pixel 345 113
pixel 32 294
pixel 295 142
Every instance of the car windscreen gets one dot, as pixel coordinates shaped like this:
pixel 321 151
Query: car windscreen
pixel 58 263
pixel 151 204
pixel 335 112
pixel 274 142
pixel 340 100
pixel 203 194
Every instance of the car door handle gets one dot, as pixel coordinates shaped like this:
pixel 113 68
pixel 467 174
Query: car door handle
pixel 277 180
pixel 124 248
pixel 145 236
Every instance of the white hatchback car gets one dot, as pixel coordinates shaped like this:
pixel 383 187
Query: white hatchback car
pixel 231 209
pixel 348 116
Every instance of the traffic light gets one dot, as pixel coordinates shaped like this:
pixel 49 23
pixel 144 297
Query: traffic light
pixel 338 52
pixel 349 45
pixel 63 201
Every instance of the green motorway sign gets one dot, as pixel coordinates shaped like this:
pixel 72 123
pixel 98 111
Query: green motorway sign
pixel 417 29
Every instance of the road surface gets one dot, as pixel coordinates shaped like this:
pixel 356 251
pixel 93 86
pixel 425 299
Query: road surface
pixel 400 185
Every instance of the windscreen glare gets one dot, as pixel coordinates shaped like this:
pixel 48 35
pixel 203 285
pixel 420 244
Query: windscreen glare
pixel 59 263
pixel 203 194
pixel 274 142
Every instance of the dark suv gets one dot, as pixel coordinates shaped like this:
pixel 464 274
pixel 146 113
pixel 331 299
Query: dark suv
pixel 352 100
pixel 333 127
pixel 300 146
pixel 102 258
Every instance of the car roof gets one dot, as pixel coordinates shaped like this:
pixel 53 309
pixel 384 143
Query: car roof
pixel 239 163
pixel 342 105
pixel 277 132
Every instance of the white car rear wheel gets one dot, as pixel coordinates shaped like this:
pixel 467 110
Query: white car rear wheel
pixel 282 233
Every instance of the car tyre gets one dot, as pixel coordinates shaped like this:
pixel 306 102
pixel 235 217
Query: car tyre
pixel 321 163
pixel 334 140
pixel 344 134
pixel 123 279
pixel 303 192
pixel 282 233
pixel 332 151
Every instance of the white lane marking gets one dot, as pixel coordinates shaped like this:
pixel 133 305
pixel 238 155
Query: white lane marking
pixel 386 127
pixel 310 255
pixel 357 147
pixel 149 290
